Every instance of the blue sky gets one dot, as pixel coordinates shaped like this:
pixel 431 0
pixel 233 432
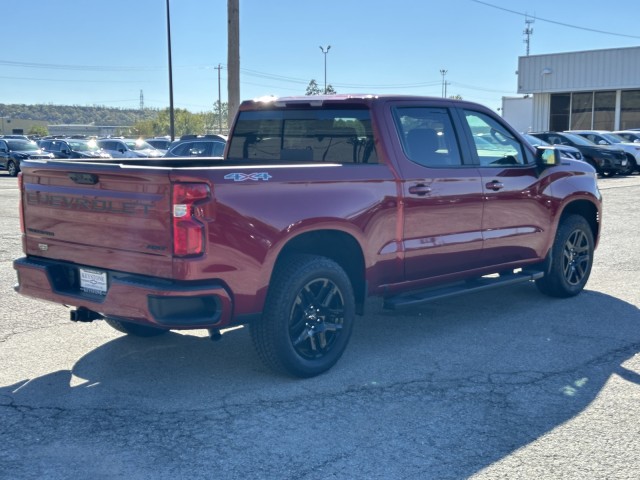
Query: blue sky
pixel 95 52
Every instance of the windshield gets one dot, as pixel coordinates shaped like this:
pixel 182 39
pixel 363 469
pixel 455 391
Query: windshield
pixel 138 145
pixel 578 140
pixel 90 146
pixel 23 145
pixel 613 138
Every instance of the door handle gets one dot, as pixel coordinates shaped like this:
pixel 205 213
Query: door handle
pixel 495 185
pixel 419 189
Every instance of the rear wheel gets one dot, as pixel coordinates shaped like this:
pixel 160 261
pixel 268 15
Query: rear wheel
pixel 571 259
pixel 134 329
pixel 308 317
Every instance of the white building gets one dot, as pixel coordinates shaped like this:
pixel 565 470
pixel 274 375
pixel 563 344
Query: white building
pixel 597 89
pixel 518 111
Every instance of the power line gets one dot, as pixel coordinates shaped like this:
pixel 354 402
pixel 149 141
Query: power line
pixel 568 25
pixel 74 80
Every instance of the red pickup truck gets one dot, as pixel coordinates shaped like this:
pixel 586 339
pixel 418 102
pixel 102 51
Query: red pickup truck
pixel 318 203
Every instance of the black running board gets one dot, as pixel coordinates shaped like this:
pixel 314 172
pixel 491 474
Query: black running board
pixel 476 285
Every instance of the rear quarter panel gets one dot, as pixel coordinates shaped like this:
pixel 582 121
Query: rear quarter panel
pixel 251 220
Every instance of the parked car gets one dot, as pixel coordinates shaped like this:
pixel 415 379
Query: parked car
pixel 14 150
pixel 198 146
pixel 566 151
pixel 632 136
pixel 161 143
pixel 606 160
pixel 15 137
pixel 606 138
pixel 128 148
pixel 73 148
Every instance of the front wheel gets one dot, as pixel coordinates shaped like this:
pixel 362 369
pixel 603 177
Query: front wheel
pixel 308 316
pixel 571 259
pixel 632 166
pixel 134 329
pixel 12 168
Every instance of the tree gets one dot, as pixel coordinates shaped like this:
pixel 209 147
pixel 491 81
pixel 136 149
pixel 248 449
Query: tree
pixel 214 124
pixel 313 88
pixel 38 130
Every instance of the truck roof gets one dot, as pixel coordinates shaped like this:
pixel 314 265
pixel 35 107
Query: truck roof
pixel 319 100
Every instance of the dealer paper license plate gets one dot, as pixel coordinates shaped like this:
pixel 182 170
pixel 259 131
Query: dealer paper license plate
pixel 93 281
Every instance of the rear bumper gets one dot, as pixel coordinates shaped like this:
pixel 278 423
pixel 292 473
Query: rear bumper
pixel 147 300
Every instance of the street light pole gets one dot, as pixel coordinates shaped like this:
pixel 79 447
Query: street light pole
pixel 443 72
pixel 325 66
pixel 219 67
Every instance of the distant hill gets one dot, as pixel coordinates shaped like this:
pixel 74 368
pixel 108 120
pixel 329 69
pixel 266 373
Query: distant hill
pixel 73 114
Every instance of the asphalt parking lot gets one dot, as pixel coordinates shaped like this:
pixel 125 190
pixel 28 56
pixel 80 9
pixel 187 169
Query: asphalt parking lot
pixel 499 384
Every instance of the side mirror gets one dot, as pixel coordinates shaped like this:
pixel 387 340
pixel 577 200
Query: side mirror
pixel 547 156
pixel 602 142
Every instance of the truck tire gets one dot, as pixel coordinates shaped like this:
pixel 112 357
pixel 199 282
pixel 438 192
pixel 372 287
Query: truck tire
pixel 571 259
pixel 134 329
pixel 12 168
pixel 308 316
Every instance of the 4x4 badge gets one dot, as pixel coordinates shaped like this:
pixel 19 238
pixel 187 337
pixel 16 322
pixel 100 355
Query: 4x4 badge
pixel 241 177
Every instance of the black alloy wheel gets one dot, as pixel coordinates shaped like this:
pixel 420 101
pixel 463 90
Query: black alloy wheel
pixel 308 316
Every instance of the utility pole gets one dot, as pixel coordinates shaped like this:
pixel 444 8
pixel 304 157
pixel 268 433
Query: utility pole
pixel 219 101
pixel 528 31
pixel 141 101
pixel 172 123
pixel 233 58
pixel 443 72
pixel 325 66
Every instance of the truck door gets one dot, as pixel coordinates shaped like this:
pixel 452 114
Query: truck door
pixel 516 215
pixel 442 195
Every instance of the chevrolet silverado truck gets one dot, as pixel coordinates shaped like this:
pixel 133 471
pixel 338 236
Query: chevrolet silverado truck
pixel 317 204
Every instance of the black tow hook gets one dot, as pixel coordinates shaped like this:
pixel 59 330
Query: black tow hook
pixel 83 314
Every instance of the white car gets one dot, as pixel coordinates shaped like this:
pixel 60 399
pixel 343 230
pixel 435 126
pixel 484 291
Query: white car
pixel 128 148
pixel 603 137
pixel 632 136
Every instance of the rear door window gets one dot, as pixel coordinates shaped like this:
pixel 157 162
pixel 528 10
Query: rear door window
pixel 427 136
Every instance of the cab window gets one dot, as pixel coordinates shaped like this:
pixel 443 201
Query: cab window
pixel 494 144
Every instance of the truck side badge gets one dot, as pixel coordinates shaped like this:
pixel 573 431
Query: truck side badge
pixel 241 177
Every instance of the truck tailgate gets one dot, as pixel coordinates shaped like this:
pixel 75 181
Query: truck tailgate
pixel 106 216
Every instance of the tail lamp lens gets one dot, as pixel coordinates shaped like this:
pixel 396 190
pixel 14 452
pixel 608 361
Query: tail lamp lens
pixel 188 231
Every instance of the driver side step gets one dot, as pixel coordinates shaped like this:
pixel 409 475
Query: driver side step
pixel 419 297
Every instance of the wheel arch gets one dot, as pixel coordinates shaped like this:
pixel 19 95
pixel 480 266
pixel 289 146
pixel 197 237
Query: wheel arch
pixel 339 246
pixel 586 209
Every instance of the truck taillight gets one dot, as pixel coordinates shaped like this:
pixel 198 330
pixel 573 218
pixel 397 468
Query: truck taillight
pixel 188 231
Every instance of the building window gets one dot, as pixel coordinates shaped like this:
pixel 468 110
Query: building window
pixel 630 109
pixel 604 111
pixel 581 110
pixel 560 112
